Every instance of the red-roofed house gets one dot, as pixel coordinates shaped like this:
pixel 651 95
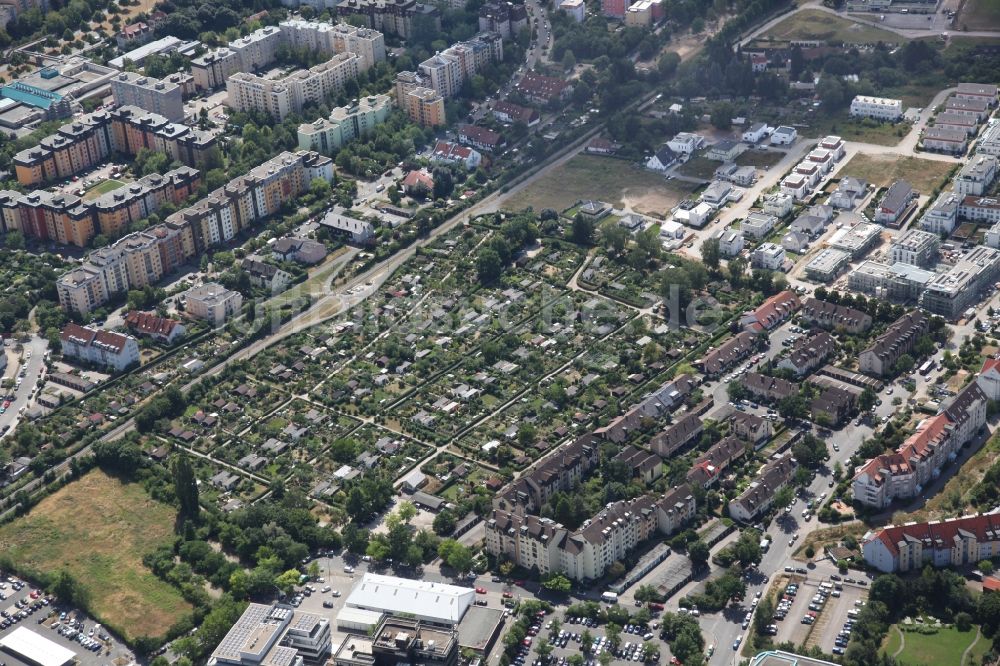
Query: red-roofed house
pixel 102 348
pixel 448 152
pixel 758 62
pixel 418 180
pixel 161 329
pixel 542 89
pixel 480 137
pixel 508 112
pixel 991 584
pixel 771 312
pixel 989 378
pixel 956 542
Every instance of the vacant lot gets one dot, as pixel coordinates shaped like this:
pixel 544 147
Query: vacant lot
pixel 883 170
pixel 101 188
pixel 99 528
pixel 613 181
pixel 979 15
pixel 823 26
pixel 943 648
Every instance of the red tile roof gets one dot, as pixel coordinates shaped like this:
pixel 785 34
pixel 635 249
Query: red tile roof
pixel 149 323
pixel 773 311
pixel 985 528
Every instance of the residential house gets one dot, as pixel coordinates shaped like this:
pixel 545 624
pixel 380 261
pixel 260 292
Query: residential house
pixel 726 150
pixel 849 193
pixel 299 250
pixel 481 138
pixel 952 542
pixel 769 256
pixel 101 348
pixel 989 378
pixel 778 204
pixel 809 353
pixel 784 136
pixel 149 324
pixel 758 498
pixel 212 302
pixel 508 112
pixel 896 200
pixel 708 467
pixel 944 140
pixel 448 152
pixel 771 313
pixel 766 388
pixel 418 183
pixel 878 108
pixel 795 242
pixel 795 185
pixel 717 361
pixel 686 143
pixel 718 194
pixel 757 132
pixel 812 226
pixel 662 159
pixel 737 175
pixel 677 436
pixel 834 316
pixel 880 358
pixel 750 427
pixel 645 466
pixel 543 89
pixel 266 276
pixel 730 242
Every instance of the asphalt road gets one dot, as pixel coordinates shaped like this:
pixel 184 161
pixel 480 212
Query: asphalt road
pixel 33 366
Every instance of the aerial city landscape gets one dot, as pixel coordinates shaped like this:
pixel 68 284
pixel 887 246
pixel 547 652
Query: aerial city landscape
pixel 499 332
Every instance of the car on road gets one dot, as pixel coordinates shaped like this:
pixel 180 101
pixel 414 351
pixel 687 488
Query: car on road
pixel 480 590
pixel 736 643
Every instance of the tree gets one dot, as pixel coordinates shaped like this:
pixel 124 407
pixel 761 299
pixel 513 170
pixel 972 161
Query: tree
pixel 488 266
pixel 810 552
pixel 784 497
pixel 558 583
pixel 722 115
pixel 710 253
pixel 320 188
pixel 647 593
pixel 444 184
pixel 867 399
pixel 444 522
pixel 613 632
pixel 587 640
pixel 986 566
pixel 698 553
pixel 287 580
pixel 963 621
pixel 543 648
pixel 185 486
pixel 583 230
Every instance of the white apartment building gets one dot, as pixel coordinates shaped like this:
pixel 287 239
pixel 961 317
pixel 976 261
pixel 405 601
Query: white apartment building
pixel 989 142
pixel 258 49
pixel 903 474
pixel 730 242
pixel 941 217
pixel 686 143
pixel 879 108
pixel 211 69
pixel 329 39
pixel 280 97
pixel 164 97
pixel 346 123
pixel 102 348
pixel 778 204
pixel 993 236
pixel 577 9
pixel 977 176
pixel 212 302
pixel 758 225
pixel 915 247
pixel 769 256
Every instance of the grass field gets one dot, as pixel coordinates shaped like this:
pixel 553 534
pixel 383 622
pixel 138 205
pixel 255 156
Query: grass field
pixel 981 15
pixel 880 134
pixel 943 648
pixel 883 170
pixel 99 528
pixel 102 187
pixel 613 181
pixel 823 26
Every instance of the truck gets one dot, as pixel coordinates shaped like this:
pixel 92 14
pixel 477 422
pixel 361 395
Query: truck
pixel 609 597
pixel 765 544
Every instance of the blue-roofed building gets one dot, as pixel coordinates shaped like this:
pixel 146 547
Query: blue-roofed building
pixel 54 104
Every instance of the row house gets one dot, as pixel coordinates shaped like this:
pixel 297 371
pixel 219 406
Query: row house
pixel 809 353
pixel 150 325
pixel 937 440
pixel 758 498
pixel 729 353
pixel 645 466
pixel 678 436
pixel 767 388
pixel 834 316
pixel 771 313
pixel 708 467
pixel 750 427
pixel 880 357
pixel 102 348
pixel 561 471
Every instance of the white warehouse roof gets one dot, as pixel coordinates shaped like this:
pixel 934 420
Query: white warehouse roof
pixel 435 602
pixel 35 648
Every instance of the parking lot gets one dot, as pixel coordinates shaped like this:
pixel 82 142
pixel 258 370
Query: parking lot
pixel 828 602
pixel 25 605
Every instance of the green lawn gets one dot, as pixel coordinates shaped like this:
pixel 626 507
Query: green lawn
pixel 98 529
pixel 102 187
pixel 813 24
pixel 589 177
pixel 943 648
pixel 979 15
pixel 866 131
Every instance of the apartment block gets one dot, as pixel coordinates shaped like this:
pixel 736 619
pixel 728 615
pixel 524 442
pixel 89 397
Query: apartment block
pixel 211 69
pixel 144 258
pixel 903 474
pixel 330 39
pixel 163 97
pixel 989 141
pixel 941 215
pixel 346 123
pixel 915 247
pixel 448 70
pixel 258 49
pixel 281 97
pixel 758 498
pixel 977 176
pixel 212 302
pixel 87 142
pixel 879 108
pixel 952 542
pixel 898 339
pixel 504 18
pixel 395 18
pixel 834 316
pixel 950 293
pixel 897 282
pixel 945 140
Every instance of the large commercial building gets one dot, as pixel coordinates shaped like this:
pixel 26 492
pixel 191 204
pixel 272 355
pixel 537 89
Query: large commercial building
pixel 919 459
pixel 879 108
pixel 66 219
pixel 102 348
pixel 274 635
pixel 33 648
pixel 163 97
pixel 954 542
pixel 346 123
pixel 949 294
pixel 281 97
pixel 90 140
pixel 146 257
pixel 437 604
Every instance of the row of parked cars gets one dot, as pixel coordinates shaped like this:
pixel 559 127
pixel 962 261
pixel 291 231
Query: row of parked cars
pixel 844 636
